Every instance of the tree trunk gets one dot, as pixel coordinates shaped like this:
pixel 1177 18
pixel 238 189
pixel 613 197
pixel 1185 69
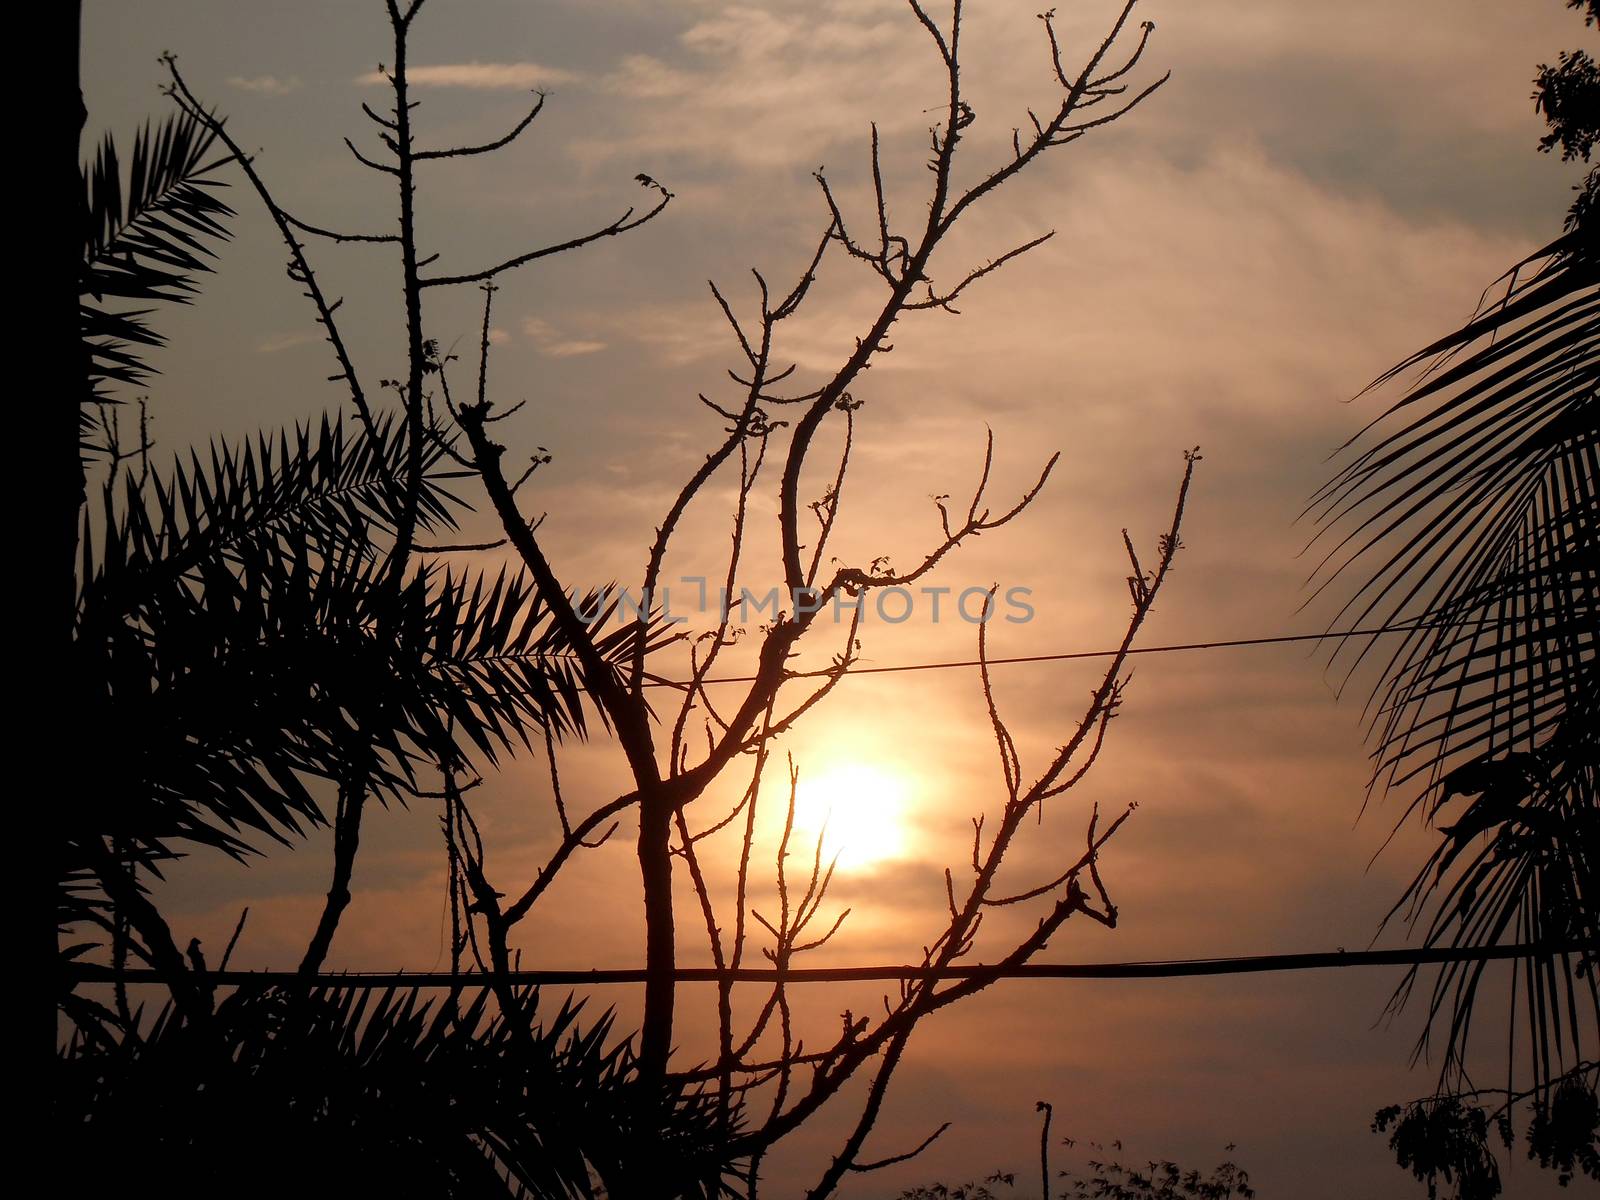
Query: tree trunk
pixel 50 430
pixel 346 841
pixel 655 868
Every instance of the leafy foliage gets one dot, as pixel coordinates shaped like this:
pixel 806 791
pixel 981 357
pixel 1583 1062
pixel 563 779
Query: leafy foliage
pixel 1446 1140
pixel 334 1092
pixel 1108 1179
pixel 1564 1133
pixel 1442 1139
pixel 1568 95
pixel 1160 1180
pixel 963 1191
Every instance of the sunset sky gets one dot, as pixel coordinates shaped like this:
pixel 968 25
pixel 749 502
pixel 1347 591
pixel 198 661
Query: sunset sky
pixel 1317 192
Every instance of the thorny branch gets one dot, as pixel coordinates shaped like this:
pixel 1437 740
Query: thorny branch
pixel 903 258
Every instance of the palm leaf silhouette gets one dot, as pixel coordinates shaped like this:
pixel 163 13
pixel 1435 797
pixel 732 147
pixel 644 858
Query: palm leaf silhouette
pixel 354 1092
pixel 144 239
pixel 241 637
pixel 1472 507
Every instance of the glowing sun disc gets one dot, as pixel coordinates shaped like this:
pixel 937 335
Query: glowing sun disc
pixel 863 808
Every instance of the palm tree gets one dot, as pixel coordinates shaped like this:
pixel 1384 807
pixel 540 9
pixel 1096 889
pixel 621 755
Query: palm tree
pixel 1470 512
pixel 250 644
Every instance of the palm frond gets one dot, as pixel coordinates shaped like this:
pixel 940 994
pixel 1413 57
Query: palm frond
pixel 1472 507
pixel 145 234
pixel 241 637
pixel 344 1091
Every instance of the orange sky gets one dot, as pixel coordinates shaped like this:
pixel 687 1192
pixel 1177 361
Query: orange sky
pixel 1318 191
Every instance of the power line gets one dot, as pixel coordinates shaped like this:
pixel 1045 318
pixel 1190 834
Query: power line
pixel 1073 655
pixel 1156 969
pixel 1171 968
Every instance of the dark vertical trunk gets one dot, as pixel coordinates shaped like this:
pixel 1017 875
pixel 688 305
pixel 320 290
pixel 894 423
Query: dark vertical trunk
pixel 50 430
pixel 655 868
pixel 346 841
pixel 411 285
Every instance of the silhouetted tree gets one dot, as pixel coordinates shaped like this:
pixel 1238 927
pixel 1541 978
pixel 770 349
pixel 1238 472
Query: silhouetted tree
pixel 1472 506
pixel 271 623
pixel 250 628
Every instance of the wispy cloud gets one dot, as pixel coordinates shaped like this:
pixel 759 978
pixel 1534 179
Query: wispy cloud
pixel 647 78
pixel 265 85
pixel 480 76
pixel 554 344
pixel 571 349
pixel 286 341
pixel 804 80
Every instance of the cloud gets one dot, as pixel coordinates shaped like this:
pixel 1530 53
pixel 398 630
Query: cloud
pixel 480 76
pixel 553 344
pixel 571 349
pixel 765 88
pixel 646 78
pixel 286 341
pixel 265 85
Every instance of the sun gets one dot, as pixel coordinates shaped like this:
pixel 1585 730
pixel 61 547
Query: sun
pixel 859 810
